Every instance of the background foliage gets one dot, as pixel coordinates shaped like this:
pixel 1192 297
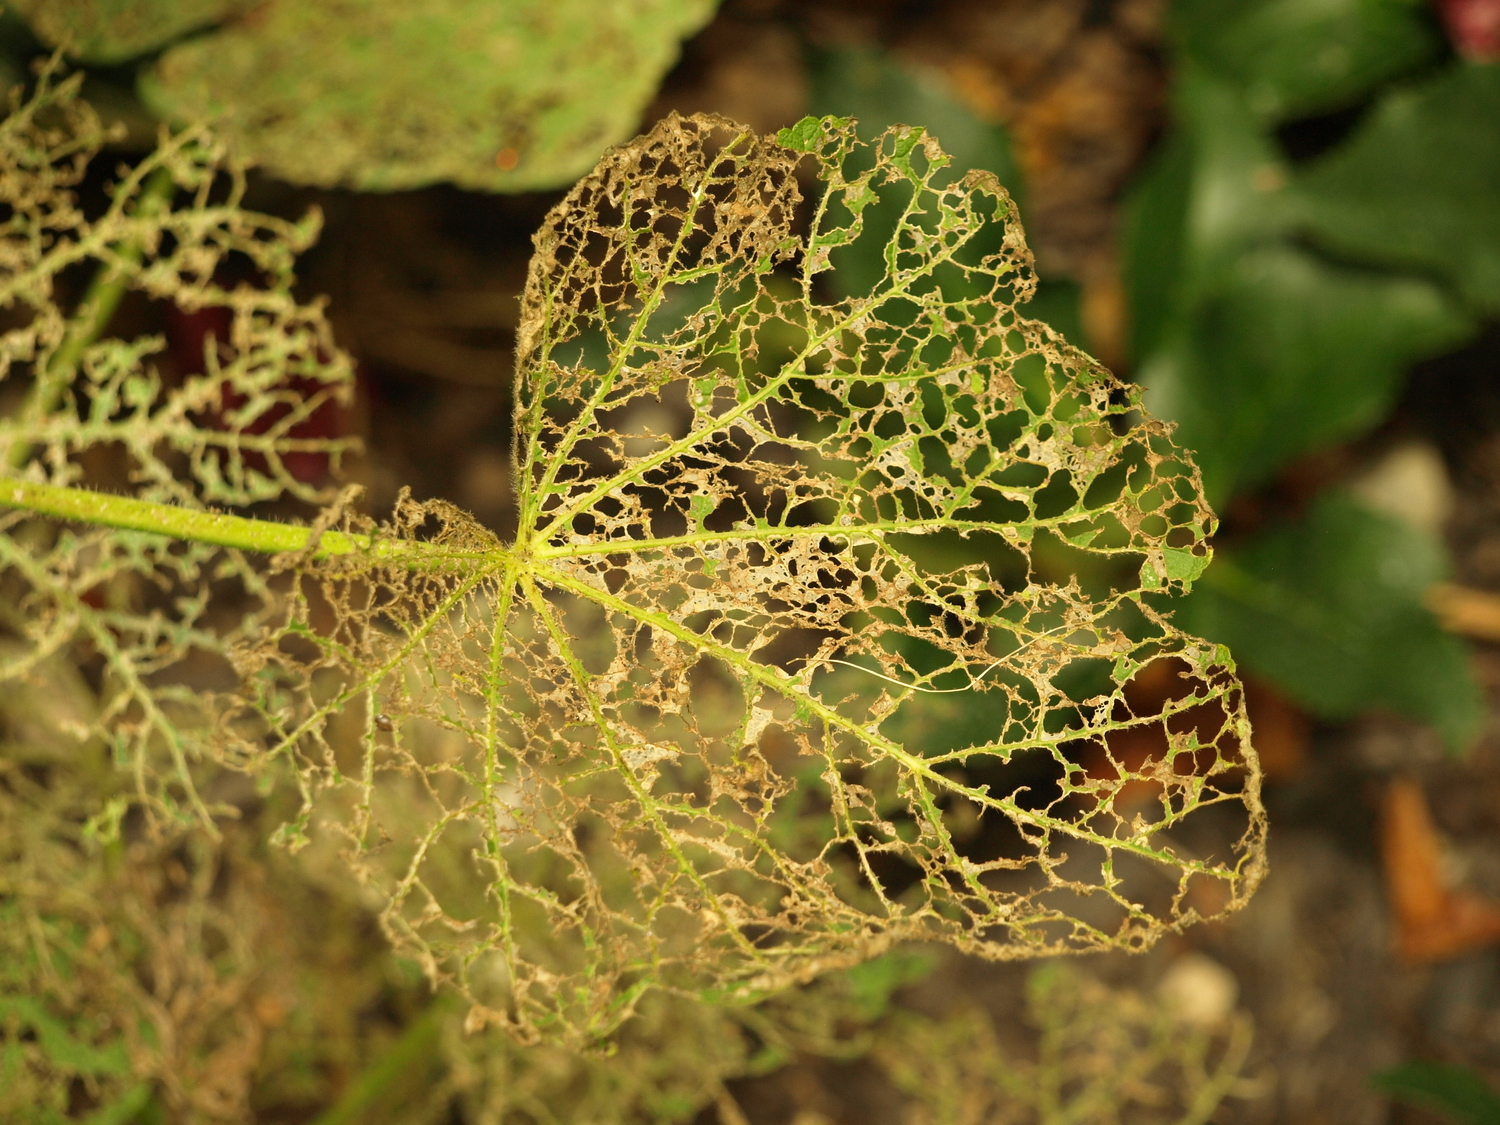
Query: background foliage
pixel 1278 302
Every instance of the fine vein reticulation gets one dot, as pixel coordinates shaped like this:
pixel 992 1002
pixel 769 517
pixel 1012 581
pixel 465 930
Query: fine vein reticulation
pixel 829 623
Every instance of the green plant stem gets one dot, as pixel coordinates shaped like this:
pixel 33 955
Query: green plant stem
pixel 93 315
pixel 103 509
pixel 416 1042
pixel 266 537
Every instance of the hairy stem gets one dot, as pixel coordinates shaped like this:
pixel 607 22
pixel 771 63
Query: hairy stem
pixel 94 313
pixel 265 537
pixel 105 510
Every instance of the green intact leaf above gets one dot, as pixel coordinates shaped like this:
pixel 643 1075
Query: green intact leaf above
pixel 1288 354
pixel 1416 185
pixel 1235 171
pixel 1292 58
pixel 380 97
pixel 1260 349
pixel 104 32
pixel 1330 609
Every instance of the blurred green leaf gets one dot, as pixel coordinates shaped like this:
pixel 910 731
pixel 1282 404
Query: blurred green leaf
pixel 1329 608
pixel 377 96
pixel 1456 1092
pixel 112 31
pixel 1295 57
pixel 1287 354
pixel 1418 184
pixel 58 1043
pixel 1153 240
pixel 1259 349
pixel 871 985
pixel 881 90
pixel 1059 304
pixel 1211 193
pixel 128 1108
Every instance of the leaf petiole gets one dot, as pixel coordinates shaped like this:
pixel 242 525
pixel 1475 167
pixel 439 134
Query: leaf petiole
pixel 127 514
pixel 266 537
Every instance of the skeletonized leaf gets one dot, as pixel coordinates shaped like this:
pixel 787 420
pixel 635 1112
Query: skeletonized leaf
pixel 174 231
pixel 822 630
pixel 87 407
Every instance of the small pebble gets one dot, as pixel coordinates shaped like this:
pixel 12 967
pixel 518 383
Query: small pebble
pixel 1198 990
pixel 1410 483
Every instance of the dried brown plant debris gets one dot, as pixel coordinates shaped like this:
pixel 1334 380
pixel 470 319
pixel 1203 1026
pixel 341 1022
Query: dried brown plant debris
pixel 1435 921
pixel 125 974
pixel 1100 1056
pixel 207 979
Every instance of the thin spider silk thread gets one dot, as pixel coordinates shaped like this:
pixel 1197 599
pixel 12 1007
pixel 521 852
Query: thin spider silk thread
pixel 950 690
